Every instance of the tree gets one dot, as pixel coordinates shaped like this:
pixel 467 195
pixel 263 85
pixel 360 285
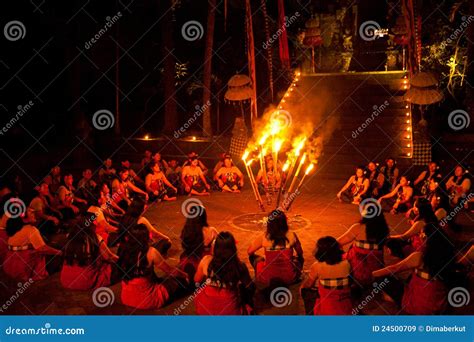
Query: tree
pixel 171 119
pixel 206 94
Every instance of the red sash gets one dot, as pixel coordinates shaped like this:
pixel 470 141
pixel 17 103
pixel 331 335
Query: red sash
pixel 278 266
pixel 25 264
pixel 333 301
pixel 424 296
pixel 363 263
pixel 142 293
pixel 212 300
pixel 86 277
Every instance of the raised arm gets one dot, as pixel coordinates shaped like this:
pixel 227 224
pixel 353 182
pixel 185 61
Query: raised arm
pixel 350 235
pixel 414 260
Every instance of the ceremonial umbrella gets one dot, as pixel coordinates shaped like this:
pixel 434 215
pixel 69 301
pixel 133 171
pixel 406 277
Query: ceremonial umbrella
pixel 423 91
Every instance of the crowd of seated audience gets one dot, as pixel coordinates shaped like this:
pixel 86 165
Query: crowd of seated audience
pixel 108 240
pixel 396 193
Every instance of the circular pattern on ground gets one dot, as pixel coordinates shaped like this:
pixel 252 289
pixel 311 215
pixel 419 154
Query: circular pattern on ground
pixel 257 222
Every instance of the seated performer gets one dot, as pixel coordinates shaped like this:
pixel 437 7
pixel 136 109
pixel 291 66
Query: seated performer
pixel 458 185
pixel 196 240
pixel 399 200
pixel 161 162
pixel 268 182
pixel 229 177
pixel 438 199
pixel 146 159
pixel 367 239
pixel 219 164
pixel 422 183
pixel 280 266
pixel 110 208
pixel 390 172
pixel 107 173
pixel 132 175
pixel 355 189
pixel 193 179
pixel 54 180
pixel 47 217
pixel 173 174
pixel 134 216
pixel 26 256
pixel 86 185
pixel 137 262
pixel 122 187
pixel 97 219
pixel 192 156
pixel 328 278
pixel 69 204
pixel 158 186
pixel 376 181
pixel 87 259
pixel 427 289
pixel 412 240
pixel 228 288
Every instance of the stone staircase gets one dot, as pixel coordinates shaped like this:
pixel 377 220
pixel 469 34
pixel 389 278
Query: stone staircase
pixel 362 117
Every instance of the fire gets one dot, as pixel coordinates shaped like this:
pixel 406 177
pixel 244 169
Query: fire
pixel 245 156
pixel 309 169
pixel 286 166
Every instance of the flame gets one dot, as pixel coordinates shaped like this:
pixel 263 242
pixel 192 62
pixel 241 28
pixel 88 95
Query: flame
pixel 246 154
pixel 263 139
pixel 309 168
pixel 249 162
pixel 286 166
pixel 303 159
pixel 277 145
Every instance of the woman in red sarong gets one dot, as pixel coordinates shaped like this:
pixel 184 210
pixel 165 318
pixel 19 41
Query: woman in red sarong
pixel 27 250
pixel 135 216
pixel 355 188
pixel 228 288
pixel 229 177
pixel 87 260
pixel 427 290
pixel 412 241
pixel 330 276
pixel 367 239
pixel 280 265
pixel 193 179
pixel 196 240
pixel 158 186
pixel 138 262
